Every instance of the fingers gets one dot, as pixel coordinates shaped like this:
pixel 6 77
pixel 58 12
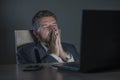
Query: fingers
pixel 53 43
pixel 55 29
pixel 52 37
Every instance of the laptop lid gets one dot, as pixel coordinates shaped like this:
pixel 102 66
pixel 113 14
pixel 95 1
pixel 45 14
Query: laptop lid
pixel 100 44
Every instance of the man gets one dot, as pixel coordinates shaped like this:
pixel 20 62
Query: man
pixel 48 46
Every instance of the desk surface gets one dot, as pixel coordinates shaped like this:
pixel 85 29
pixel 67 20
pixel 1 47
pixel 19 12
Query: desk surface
pixel 15 72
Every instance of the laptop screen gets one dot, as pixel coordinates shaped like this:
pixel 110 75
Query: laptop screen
pixel 100 46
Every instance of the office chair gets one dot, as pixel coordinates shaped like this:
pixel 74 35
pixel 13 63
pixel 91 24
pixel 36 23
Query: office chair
pixel 24 38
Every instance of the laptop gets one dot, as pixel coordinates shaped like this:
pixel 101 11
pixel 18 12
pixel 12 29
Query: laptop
pixel 100 45
pixel 100 42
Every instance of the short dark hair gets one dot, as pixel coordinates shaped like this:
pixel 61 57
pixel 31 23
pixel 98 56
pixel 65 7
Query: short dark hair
pixel 40 14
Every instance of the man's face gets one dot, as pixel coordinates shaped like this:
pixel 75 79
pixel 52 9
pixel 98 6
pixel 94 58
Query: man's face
pixel 47 24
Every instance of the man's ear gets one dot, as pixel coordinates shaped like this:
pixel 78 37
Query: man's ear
pixel 35 34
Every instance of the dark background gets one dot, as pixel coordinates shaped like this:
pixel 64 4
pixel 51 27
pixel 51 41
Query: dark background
pixel 17 14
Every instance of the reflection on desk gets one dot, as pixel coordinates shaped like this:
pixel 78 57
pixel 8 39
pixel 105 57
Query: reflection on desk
pixel 15 72
pixel 46 73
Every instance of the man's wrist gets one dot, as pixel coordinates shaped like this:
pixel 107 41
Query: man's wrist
pixel 64 55
pixel 54 52
pixel 69 58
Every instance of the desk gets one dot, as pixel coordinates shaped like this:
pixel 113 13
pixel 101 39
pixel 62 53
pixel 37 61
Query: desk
pixel 14 72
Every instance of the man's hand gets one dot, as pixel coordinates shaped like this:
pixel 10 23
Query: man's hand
pixel 55 43
pixel 62 53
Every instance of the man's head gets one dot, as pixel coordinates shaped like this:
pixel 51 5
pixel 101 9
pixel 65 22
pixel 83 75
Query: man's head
pixel 43 23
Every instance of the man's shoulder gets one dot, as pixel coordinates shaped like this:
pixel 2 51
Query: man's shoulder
pixel 67 44
pixel 27 45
